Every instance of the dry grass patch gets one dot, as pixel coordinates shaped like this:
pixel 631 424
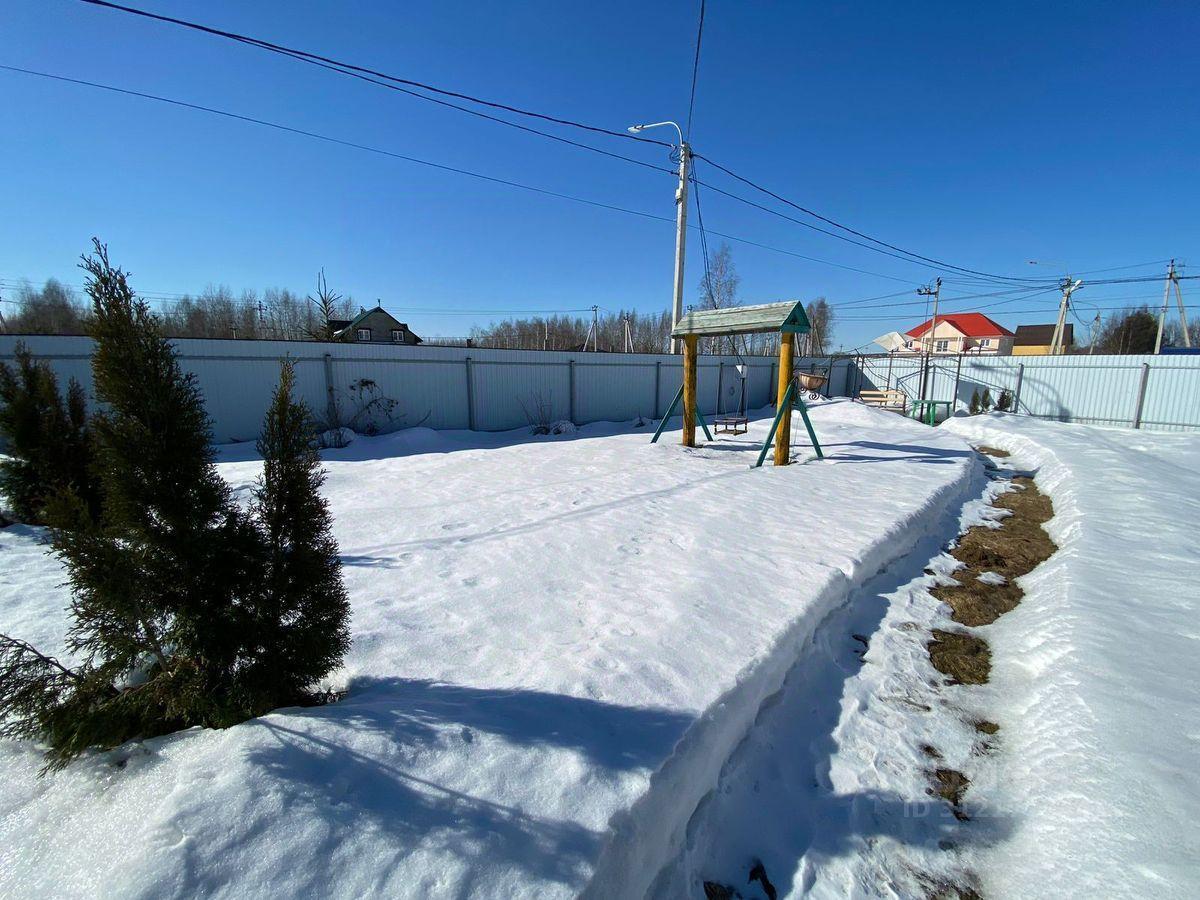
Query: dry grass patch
pixel 965 658
pixel 994 451
pixel 1016 548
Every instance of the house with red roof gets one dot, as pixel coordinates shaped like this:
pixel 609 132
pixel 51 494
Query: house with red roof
pixel 959 333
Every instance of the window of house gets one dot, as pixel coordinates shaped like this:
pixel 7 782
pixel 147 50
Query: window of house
pixel 364 334
pixel 941 346
pixel 908 345
pixel 397 335
pixel 985 342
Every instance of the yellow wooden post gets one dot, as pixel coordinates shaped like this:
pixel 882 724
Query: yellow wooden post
pixel 783 436
pixel 689 390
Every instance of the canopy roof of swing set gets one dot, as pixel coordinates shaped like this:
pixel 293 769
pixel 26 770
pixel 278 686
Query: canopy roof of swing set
pixel 788 317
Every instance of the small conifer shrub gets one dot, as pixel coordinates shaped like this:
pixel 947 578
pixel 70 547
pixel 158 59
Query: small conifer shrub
pixel 188 610
pixel 46 440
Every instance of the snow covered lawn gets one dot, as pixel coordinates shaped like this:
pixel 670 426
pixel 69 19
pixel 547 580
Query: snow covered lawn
pixel 1089 787
pixel 558 641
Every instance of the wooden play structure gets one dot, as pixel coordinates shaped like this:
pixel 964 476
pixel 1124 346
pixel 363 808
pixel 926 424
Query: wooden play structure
pixel 787 318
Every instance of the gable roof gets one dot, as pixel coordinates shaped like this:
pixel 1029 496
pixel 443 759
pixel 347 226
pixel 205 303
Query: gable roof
pixel 973 324
pixel 787 317
pixel 366 312
pixel 1042 335
pixel 342 327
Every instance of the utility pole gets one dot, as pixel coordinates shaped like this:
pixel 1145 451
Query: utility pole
pixel 1068 288
pixel 628 336
pixel 681 195
pixel 593 331
pixel 1172 279
pixel 1095 333
pixel 681 198
pixel 935 292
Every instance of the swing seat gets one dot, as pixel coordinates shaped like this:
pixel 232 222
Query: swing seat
pixel 731 424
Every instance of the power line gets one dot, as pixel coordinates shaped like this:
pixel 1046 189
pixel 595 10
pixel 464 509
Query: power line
pixel 367 148
pixel 350 68
pixel 695 73
pixel 907 253
pixel 361 71
pixel 818 228
pixel 329 139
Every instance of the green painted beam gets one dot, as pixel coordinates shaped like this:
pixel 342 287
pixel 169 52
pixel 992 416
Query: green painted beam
pixel 787 398
pixel 812 435
pixel 670 412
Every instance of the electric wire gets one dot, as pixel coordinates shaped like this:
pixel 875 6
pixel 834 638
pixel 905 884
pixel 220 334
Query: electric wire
pixel 350 67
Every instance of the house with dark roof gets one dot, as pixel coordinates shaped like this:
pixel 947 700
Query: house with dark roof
pixel 374 326
pixel 1036 340
pixel 970 332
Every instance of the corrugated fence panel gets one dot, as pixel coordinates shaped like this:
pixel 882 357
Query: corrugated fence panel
pixel 1089 389
pixel 508 394
pixel 396 387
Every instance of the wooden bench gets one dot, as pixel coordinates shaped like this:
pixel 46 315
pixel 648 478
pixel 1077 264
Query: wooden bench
pixel 893 400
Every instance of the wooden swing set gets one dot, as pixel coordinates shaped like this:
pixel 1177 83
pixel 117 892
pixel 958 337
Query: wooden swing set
pixel 787 318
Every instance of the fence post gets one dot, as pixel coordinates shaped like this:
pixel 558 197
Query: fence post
pixel 1141 396
pixel 571 391
pixel 720 384
pixel 1017 392
pixel 470 396
pixel 957 379
pixel 330 399
pixel 772 381
pixel 889 375
pixel 657 385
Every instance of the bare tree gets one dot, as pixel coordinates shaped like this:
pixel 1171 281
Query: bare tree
pixel 327 304
pixel 821 318
pixel 52 310
pixel 719 290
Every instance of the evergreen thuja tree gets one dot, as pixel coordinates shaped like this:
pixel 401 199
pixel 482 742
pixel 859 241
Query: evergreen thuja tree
pixel 46 440
pixel 187 609
pixel 158 582
pixel 303 613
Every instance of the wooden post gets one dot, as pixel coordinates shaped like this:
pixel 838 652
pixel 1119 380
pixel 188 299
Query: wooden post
pixel 689 390
pixel 783 437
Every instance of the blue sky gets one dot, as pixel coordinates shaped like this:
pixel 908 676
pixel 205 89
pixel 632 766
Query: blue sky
pixel 984 135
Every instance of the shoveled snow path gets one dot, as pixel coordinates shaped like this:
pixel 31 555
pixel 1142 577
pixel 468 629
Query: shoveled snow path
pixel 558 643
pixel 830 789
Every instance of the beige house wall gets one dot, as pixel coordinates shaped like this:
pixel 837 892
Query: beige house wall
pixel 957 342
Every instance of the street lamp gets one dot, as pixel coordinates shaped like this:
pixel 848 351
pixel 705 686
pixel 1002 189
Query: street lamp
pixel 685 154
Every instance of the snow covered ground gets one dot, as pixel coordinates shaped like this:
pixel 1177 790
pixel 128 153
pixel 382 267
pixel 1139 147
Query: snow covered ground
pixel 559 642
pixel 1089 788
pixel 1096 675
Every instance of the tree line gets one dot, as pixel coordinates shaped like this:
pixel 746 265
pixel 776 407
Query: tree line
pixel 629 330
pixel 216 312
pixel 1134 331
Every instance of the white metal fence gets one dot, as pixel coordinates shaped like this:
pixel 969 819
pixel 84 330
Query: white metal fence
pixel 494 390
pixel 442 387
pixel 1156 392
